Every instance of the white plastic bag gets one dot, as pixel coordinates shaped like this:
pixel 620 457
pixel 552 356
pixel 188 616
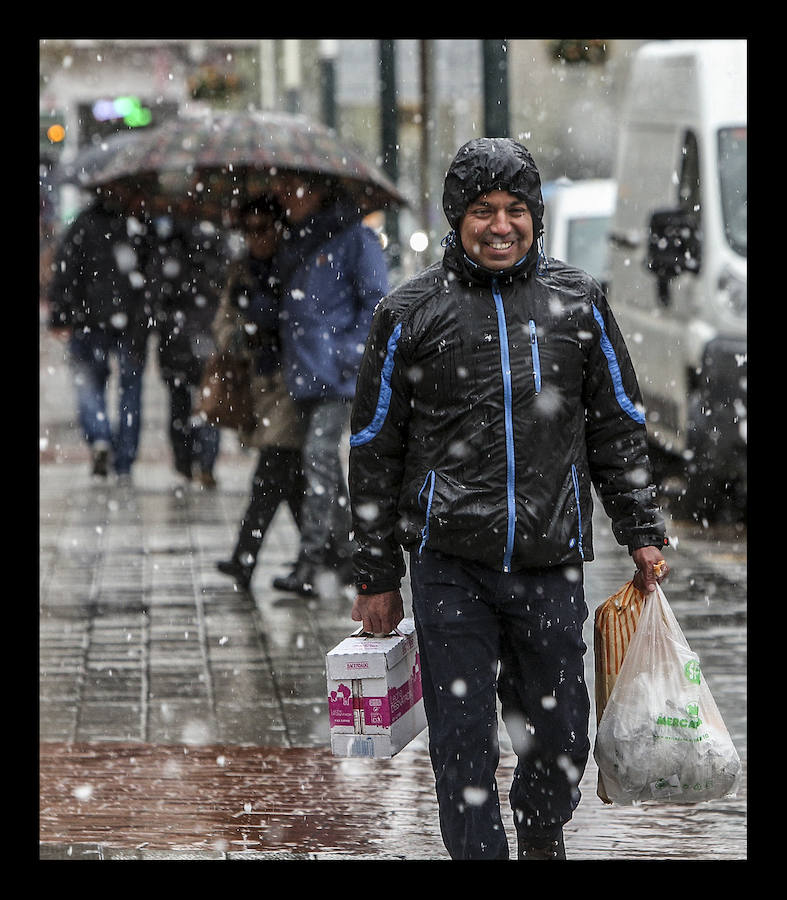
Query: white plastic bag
pixel 661 736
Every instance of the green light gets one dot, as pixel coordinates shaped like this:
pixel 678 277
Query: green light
pixel 126 106
pixel 134 114
pixel 139 117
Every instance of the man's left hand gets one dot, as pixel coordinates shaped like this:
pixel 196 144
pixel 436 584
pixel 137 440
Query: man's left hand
pixel 652 568
pixel 380 613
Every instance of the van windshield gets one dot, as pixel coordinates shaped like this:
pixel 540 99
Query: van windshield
pixel 732 175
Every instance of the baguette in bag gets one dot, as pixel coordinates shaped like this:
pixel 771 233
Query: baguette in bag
pixel 615 622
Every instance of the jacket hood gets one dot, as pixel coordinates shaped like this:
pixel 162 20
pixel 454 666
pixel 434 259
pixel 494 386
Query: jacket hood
pixel 488 164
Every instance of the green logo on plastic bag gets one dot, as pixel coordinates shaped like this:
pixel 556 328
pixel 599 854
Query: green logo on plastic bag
pixel 692 671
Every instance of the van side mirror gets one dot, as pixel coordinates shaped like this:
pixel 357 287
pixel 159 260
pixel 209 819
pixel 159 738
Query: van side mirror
pixel 674 246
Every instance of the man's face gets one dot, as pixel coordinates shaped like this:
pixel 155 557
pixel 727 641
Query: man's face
pixel 496 230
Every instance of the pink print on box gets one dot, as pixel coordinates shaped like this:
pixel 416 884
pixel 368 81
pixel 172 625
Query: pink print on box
pixel 340 706
pixel 381 712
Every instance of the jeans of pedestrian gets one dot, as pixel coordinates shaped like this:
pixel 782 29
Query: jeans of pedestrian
pixel 191 443
pixel 90 360
pixel 483 634
pixel 277 479
pixel 326 520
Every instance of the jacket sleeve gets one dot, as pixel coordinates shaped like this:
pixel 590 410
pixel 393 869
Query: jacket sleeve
pixel 617 437
pixel 67 278
pixel 371 273
pixel 377 450
pixel 369 285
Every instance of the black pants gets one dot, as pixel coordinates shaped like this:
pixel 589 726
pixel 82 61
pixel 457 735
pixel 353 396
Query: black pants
pixel 278 478
pixel 191 443
pixel 483 634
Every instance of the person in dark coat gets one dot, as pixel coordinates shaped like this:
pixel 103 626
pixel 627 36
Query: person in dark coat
pixel 98 297
pixel 495 391
pixel 188 266
pixel 247 323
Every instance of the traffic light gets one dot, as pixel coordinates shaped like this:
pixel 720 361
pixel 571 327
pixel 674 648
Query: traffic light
pixel 56 133
pixel 51 134
pixel 100 118
pixel 129 109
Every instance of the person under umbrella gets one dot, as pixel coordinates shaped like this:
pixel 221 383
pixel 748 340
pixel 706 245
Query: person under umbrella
pixel 187 270
pixel 333 273
pixel 97 299
pixel 247 323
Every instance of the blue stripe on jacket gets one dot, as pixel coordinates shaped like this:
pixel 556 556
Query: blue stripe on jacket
pixel 614 370
pixel 384 398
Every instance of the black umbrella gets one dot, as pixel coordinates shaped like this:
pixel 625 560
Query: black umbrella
pixel 94 158
pixel 239 145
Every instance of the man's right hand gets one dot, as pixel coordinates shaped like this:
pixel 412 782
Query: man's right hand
pixel 380 613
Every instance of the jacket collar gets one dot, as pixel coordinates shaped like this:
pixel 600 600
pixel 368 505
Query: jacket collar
pixel 300 241
pixel 456 259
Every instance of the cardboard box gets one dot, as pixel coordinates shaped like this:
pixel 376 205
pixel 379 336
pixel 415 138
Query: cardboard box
pixel 375 703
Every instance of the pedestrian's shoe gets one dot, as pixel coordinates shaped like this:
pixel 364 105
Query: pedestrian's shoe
pixel 242 574
pixel 207 480
pixel 529 847
pixel 101 459
pixel 184 469
pixel 300 581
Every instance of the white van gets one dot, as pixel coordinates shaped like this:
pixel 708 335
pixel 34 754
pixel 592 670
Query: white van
pixel 678 258
pixel 577 219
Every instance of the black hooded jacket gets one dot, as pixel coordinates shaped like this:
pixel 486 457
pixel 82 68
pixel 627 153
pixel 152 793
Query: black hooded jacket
pixel 99 277
pixel 488 404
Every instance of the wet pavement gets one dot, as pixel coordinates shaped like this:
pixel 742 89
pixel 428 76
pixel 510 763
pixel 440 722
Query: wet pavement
pixel 183 719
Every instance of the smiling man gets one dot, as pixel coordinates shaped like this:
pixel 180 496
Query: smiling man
pixel 494 393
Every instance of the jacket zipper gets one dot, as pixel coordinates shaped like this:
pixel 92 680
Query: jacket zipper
pixel 575 478
pixel 505 364
pixel 425 530
pixel 536 358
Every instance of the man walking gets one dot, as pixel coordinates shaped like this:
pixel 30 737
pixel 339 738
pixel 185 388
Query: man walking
pixel 99 301
pixel 494 392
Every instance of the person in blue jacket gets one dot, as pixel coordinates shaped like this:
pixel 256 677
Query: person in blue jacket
pixel 332 273
pixel 495 392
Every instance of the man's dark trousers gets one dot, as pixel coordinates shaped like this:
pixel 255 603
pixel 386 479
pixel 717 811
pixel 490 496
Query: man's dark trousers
pixel 469 619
